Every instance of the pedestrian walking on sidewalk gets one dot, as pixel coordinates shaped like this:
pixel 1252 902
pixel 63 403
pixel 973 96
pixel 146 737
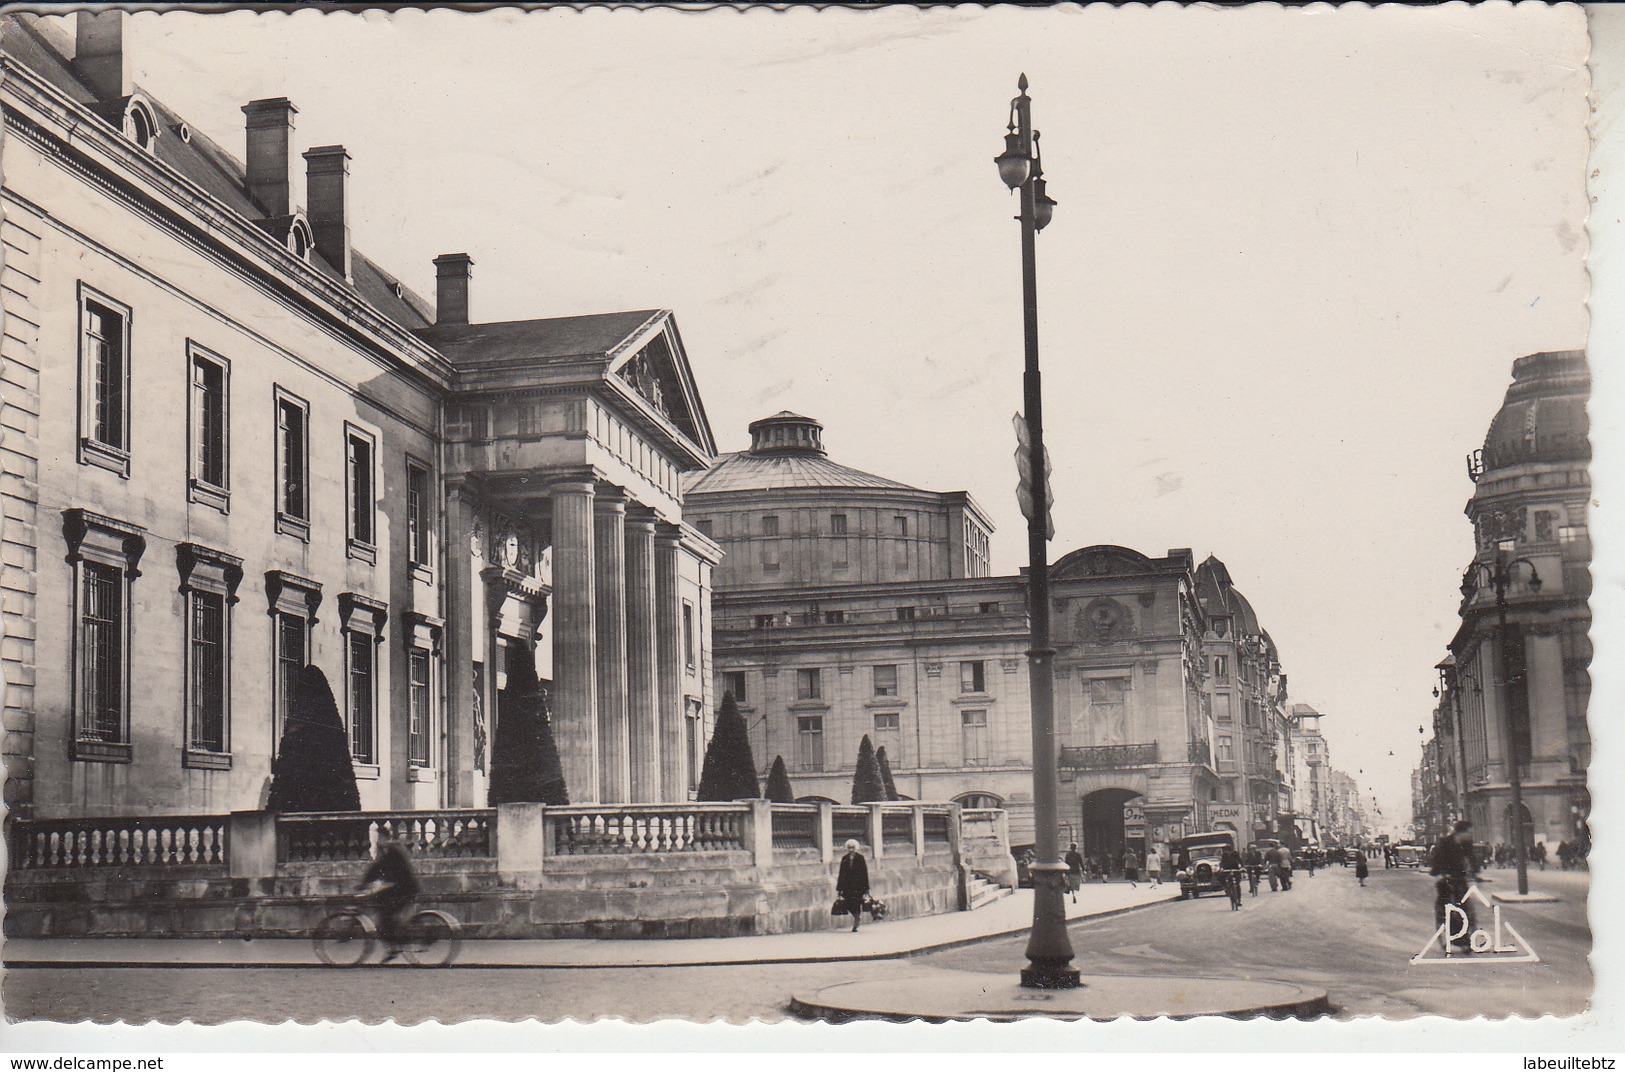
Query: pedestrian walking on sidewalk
pixel 1153 865
pixel 1131 868
pixel 852 884
pixel 1074 871
pixel 1360 869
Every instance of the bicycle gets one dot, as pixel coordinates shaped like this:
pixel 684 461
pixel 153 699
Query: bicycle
pixel 1253 876
pixel 1232 886
pixel 429 939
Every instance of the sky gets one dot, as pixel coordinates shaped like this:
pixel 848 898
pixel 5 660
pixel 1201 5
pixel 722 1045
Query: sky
pixel 1295 255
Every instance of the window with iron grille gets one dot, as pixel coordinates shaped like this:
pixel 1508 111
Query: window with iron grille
pixel 417 513
pixel 210 476
pixel 103 702
pixel 208 657
pixel 363 705
pixel 293 466
pixel 420 716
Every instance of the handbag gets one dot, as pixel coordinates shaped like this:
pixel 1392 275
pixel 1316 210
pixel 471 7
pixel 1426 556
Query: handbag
pixel 838 908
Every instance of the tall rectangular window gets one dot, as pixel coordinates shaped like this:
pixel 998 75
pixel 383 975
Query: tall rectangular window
pixel 885 680
pixel 363 705
pixel 1227 752
pixel 208 672
pixel 809 685
pixel 292 644
pixel 293 466
pixel 770 525
pixel 888 735
pixel 688 633
pixel 810 742
pixel 363 506
pixel 973 737
pixel 973 676
pixel 837 524
pixel 210 476
pixel 420 718
pixel 900 524
pixel 1221 668
pixel 734 681
pixel 104 382
pixel 418 521
pixel 102 702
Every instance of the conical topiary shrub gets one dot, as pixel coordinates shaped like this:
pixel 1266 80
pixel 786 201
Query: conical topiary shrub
pixel 525 764
pixel 312 770
pixel 885 773
pixel 866 784
pixel 778 783
pixel 729 772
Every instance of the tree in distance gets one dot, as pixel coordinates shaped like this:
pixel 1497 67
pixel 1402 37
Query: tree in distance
pixel 866 784
pixel 729 772
pixel 525 766
pixel 312 770
pixel 778 783
pixel 885 773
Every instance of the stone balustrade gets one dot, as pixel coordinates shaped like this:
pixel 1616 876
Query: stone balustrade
pixel 165 841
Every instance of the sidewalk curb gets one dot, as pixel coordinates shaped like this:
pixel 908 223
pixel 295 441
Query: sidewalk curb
pixel 936 947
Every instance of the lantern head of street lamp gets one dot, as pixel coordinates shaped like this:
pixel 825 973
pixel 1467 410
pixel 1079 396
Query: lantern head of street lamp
pixel 1014 165
pixel 1043 205
pixel 1469 584
pixel 1534 581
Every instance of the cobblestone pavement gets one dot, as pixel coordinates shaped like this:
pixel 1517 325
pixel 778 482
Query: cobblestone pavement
pixel 1328 932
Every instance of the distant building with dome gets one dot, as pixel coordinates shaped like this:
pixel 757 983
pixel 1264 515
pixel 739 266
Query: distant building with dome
pixel 849 604
pixel 1530 500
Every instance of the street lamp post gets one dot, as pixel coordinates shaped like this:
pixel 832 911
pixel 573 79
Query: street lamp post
pixel 1500 576
pixel 1049 950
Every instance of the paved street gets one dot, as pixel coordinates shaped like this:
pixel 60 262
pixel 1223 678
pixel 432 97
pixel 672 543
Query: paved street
pixel 1327 932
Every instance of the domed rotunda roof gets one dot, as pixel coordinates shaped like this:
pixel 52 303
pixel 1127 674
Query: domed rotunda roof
pixel 1544 416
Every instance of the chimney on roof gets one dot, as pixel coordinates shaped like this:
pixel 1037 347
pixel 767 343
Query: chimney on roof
pixel 270 154
pixel 99 54
pixel 451 273
pixel 327 191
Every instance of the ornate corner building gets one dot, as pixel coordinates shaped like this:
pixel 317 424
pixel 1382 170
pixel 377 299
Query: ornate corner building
pixel 1530 688
pixel 235 445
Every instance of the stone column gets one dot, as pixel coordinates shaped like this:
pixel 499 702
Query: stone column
pixel 575 640
pixel 457 778
pixel 668 668
pixel 1548 711
pixel 642 688
pixel 609 564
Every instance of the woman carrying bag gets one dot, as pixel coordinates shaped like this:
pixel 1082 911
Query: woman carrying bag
pixel 852 884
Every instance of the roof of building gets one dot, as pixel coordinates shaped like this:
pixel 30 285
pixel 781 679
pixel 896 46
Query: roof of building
pixel 786 452
pixel 1219 597
pixel 47 50
pixel 1543 418
pixel 548 339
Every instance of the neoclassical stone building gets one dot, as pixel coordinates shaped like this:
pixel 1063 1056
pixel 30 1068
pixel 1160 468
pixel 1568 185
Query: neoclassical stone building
pixel 886 624
pixel 235 445
pixel 1530 500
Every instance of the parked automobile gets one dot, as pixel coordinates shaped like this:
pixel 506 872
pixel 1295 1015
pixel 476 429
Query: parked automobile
pixel 1409 855
pixel 1200 854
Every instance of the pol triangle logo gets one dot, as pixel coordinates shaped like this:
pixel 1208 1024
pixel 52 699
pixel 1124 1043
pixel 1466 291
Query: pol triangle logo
pixel 1500 943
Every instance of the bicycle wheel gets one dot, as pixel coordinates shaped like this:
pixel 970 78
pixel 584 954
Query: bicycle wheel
pixel 344 939
pixel 433 939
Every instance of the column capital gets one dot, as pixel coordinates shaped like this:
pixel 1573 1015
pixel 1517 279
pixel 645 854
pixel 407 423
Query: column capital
pixel 612 494
pixel 640 517
pixel 666 532
pixel 572 483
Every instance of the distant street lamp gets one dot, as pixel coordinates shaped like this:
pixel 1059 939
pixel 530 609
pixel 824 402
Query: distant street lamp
pixel 1049 950
pixel 1500 575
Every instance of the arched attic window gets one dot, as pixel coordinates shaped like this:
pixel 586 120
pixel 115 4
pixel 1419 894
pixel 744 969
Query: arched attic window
pixel 299 240
pixel 140 126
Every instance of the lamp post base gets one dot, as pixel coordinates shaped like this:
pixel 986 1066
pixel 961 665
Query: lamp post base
pixel 1050 977
pixel 1049 950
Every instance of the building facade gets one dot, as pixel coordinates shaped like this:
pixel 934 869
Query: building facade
pixel 913 645
pixel 235 446
pixel 1530 501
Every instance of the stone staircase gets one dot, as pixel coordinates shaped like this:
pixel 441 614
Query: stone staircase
pixel 982 891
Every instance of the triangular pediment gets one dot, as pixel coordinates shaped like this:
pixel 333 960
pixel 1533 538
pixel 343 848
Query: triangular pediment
pixel 652 368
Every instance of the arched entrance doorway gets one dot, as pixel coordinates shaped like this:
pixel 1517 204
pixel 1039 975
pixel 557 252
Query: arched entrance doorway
pixel 1105 829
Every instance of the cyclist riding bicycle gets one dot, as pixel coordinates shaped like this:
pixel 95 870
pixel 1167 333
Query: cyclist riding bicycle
pixel 398 889
pixel 1230 864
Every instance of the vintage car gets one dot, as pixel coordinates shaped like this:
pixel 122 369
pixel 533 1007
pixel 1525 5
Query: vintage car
pixel 1198 858
pixel 1408 855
